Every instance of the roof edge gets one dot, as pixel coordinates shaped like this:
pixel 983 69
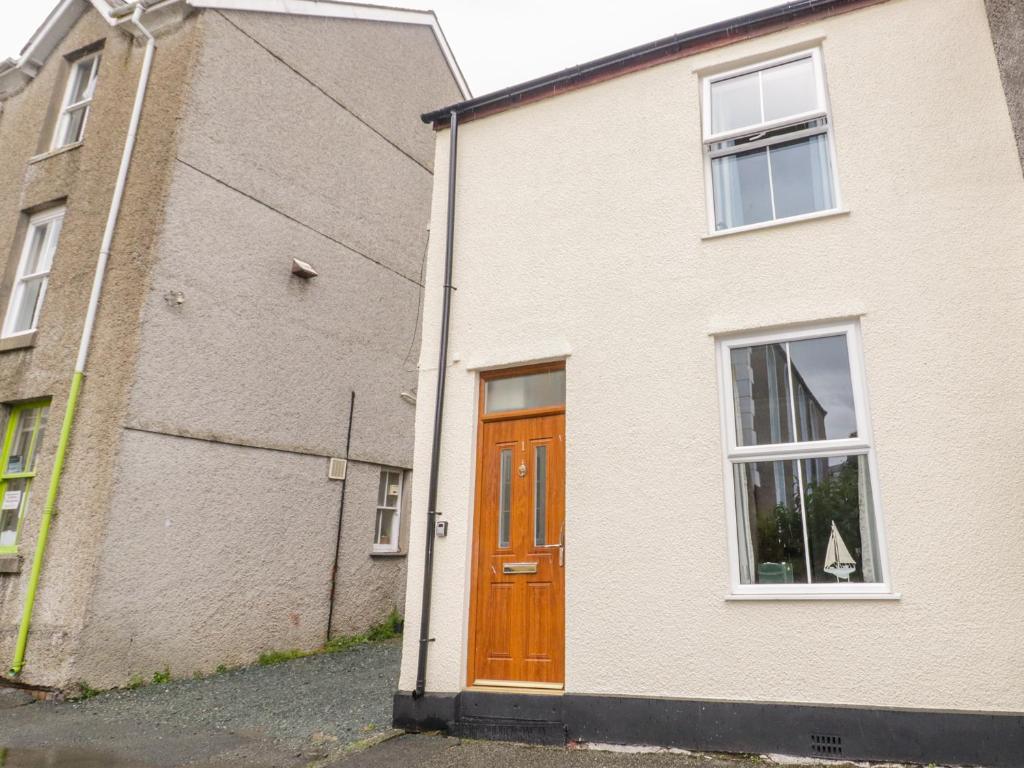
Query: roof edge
pixel 342 9
pixel 16 73
pixel 643 56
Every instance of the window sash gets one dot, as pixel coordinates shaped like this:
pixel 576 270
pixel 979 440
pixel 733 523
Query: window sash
pixel 53 223
pixel 61 137
pixel 862 445
pixel 821 96
pixel 36 408
pixel 831 199
pixel 394 510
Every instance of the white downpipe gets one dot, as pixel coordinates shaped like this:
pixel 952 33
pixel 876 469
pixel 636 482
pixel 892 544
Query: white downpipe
pixel 115 203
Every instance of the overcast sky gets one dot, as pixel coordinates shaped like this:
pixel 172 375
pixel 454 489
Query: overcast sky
pixel 501 42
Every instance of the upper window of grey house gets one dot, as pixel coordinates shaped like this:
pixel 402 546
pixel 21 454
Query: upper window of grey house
pixel 769 153
pixel 74 108
pixel 33 273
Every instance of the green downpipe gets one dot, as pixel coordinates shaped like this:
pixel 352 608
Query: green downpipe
pixel 44 525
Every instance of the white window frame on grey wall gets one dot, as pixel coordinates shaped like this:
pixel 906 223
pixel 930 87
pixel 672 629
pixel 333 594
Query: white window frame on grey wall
pixel 41 240
pixel 768 133
pixel 861 446
pixel 394 510
pixel 85 67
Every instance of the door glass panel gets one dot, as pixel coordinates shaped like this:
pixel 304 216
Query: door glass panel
pixel 540 495
pixel 534 390
pixel 505 497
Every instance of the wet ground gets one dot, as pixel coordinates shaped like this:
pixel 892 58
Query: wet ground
pixel 293 714
pixel 442 752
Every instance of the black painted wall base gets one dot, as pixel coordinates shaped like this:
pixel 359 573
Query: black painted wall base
pixel 851 733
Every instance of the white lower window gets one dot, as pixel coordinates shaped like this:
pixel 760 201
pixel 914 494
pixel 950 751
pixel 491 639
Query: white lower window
pixel 803 502
pixel 33 274
pixel 389 511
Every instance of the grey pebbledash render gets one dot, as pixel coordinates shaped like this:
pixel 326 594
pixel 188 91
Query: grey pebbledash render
pixel 198 510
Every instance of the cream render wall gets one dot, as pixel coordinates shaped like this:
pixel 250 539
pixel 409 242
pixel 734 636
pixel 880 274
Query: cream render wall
pixel 580 226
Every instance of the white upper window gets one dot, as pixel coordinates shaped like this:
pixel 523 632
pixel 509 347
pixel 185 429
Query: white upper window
pixel 33 272
pixel 389 511
pixel 78 95
pixel 799 465
pixel 767 143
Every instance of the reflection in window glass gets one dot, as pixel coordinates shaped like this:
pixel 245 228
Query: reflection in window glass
pixel 769 523
pixel 821 398
pixel 840 520
pixel 761 395
pixel 821 377
pixel 504 497
pixel 773 501
pixel 735 103
pixel 534 390
pixel 789 89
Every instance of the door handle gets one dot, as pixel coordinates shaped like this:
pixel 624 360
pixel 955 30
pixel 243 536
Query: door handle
pixel 560 546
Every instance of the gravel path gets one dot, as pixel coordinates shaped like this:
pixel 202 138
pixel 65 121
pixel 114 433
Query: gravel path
pixel 286 714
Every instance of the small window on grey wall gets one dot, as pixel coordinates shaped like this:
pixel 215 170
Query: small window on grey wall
pixel 389 511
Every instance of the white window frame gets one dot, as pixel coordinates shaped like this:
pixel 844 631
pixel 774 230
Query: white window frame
pixel 397 509
pixel 863 445
pixel 66 106
pixel 823 111
pixel 49 249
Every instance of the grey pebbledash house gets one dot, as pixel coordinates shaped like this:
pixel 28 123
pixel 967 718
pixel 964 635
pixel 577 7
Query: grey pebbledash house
pixel 719 437
pixel 214 215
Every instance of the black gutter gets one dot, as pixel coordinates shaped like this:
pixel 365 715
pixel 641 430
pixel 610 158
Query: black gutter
pixel 341 515
pixel 553 83
pixel 435 450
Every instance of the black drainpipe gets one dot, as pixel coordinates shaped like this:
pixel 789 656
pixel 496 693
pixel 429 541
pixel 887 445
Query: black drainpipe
pixel 435 451
pixel 341 514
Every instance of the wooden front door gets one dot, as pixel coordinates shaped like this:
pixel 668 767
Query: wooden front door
pixel 518 596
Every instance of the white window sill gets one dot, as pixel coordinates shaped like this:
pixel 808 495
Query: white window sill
pixel 18 341
pixel 777 223
pixel 890 596
pixel 53 152
pixel 387 553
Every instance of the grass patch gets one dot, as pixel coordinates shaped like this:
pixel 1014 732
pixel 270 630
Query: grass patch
pixel 386 630
pixel 85 692
pixel 389 628
pixel 159 678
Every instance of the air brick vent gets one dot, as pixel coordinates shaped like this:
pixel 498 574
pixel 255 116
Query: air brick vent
pixel 828 745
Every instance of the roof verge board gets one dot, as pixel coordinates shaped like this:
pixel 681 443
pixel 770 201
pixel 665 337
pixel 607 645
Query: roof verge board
pixel 647 55
pixel 16 73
